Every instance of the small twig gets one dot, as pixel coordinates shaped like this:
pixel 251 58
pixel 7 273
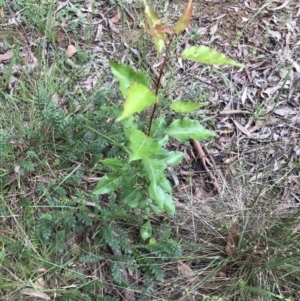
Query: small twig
pixel 13 15
pixel 24 32
pixel 128 12
pixel 225 113
pixel 156 93
pixel 232 112
pixel 202 156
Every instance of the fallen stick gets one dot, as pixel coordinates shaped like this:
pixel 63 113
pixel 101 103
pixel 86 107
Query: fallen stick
pixel 202 156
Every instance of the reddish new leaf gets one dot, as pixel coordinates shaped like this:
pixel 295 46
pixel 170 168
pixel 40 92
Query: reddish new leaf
pixel 185 20
pixel 158 31
pixel 155 27
pixel 151 16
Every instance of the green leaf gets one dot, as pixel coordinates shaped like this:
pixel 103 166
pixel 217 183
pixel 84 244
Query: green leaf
pixel 157 194
pixel 185 129
pixel 163 141
pixel 158 128
pixel 155 169
pixel 131 197
pixel 146 230
pixel 159 44
pixel 206 55
pixel 108 183
pixel 158 131
pixel 134 203
pixel 139 97
pixel 166 185
pixel 144 203
pixel 115 111
pixel 155 209
pixel 113 163
pixel 169 204
pixel 185 20
pixel 127 76
pixel 174 158
pixel 129 125
pixel 142 146
pixel 152 241
pixel 131 179
pixel 181 106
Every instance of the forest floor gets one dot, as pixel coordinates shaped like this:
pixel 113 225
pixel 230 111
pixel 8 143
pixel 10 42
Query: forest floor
pixel 61 242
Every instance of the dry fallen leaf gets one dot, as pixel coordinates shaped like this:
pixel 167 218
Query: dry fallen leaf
pixel 244 96
pixel 57 100
pixel 33 293
pixel 224 139
pixel 284 111
pixel 260 124
pixel 99 32
pixel 6 56
pixel 71 50
pixel 39 284
pixel 185 270
pixel 232 242
pixel 256 177
pixel 275 34
pixel 36 291
pixel 29 59
pixel 241 128
pixel 213 29
pixel 6 232
pixel 116 18
pixel 12 178
pixel 281 6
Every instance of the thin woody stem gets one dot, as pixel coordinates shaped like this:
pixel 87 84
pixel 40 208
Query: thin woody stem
pixel 158 83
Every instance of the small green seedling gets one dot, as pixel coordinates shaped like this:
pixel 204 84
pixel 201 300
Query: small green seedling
pixel 141 177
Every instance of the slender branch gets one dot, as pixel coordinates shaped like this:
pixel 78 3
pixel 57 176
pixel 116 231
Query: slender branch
pixel 158 82
pixel 151 118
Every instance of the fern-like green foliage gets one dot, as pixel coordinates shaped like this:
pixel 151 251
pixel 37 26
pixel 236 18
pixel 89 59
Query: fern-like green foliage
pixel 151 267
pixel 146 290
pixel 62 213
pixel 106 298
pixel 44 226
pixel 117 274
pixel 4 146
pixel 78 136
pixel 110 238
pixel 83 216
pixel 90 258
pixel 165 250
